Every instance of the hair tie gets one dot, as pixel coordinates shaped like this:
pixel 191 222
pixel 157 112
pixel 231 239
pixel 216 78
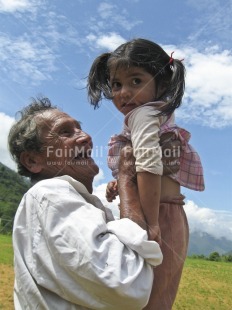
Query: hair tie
pixel 171 58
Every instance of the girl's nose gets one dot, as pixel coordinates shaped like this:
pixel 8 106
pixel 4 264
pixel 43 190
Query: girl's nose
pixel 125 92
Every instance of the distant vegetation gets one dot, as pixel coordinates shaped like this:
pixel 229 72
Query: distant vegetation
pixel 12 188
pixel 214 257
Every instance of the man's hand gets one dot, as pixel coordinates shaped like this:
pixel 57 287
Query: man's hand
pixel 130 206
pixel 127 164
pixel 171 152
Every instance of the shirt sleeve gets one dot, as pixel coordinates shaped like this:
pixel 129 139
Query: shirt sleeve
pixel 87 261
pixel 144 126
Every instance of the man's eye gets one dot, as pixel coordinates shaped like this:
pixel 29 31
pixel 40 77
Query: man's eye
pixel 136 81
pixel 65 132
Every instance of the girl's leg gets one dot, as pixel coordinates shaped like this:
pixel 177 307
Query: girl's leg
pixel 175 235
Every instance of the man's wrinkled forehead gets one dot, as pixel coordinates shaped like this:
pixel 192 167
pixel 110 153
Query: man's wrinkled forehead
pixel 51 119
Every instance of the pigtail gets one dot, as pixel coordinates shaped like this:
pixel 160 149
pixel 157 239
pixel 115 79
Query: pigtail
pixel 98 80
pixel 176 86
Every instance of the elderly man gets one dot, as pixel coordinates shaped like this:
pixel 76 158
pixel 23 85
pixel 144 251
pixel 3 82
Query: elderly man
pixel 69 251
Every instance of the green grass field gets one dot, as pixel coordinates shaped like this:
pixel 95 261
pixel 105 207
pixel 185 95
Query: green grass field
pixel 6 250
pixel 205 285
pixel 6 273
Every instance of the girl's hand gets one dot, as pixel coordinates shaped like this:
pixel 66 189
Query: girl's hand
pixel 111 190
pixel 154 233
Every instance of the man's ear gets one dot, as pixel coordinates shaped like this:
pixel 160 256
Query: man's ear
pixel 31 161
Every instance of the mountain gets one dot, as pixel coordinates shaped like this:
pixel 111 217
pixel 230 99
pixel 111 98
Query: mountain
pixel 12 188
pixel 203 243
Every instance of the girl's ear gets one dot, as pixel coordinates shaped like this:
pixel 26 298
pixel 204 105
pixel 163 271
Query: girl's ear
pixel 31 161
pixel 161 89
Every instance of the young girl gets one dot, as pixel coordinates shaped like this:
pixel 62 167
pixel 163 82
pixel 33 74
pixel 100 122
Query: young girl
pixel 147 85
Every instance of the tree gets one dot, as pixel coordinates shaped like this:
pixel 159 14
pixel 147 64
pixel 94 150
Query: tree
pixel 228 258
pixel 12 188
pixel 215 256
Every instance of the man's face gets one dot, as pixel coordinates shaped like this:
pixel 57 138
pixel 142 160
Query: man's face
pixel 66 148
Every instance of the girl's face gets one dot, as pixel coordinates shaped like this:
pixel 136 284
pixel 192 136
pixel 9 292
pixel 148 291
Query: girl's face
pixel 131 88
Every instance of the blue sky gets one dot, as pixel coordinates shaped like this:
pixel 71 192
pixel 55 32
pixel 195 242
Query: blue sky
pixel 47 47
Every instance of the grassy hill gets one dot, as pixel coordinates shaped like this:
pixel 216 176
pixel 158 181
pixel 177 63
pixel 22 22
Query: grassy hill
pixel 12 188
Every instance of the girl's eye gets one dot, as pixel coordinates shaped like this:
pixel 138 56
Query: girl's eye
pixel 115 85
pixel 136 81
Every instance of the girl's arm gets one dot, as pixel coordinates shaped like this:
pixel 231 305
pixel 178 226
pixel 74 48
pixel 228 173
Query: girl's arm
pixel 144 126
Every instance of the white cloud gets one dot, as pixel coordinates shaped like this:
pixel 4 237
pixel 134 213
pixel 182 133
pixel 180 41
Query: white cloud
pixel 110 41
pixel 11 6
pixel 24 60
pixel 6 123
pixel 14 5
pixel 37 51
pixel 100 191
pixel 106 41
pixel 113 16
pixel 208 93
pixel 106 10
pixel 99 177
pixel 60 32
pixel 213 222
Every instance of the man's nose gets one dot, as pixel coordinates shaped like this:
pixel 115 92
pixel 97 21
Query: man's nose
pixel 83 138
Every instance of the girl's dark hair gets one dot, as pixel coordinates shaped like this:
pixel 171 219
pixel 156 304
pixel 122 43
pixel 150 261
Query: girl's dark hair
pixel 144 54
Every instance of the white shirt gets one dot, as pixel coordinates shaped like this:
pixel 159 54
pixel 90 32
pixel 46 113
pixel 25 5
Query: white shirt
pixel 144 127
pixel 71 254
